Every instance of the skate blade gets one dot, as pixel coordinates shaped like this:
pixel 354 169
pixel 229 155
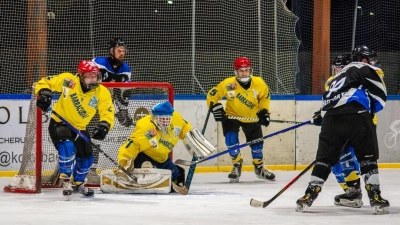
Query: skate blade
pixel 353 204
pixel 264 178
pixel 301 208
pixel 380 210
pixel 234 180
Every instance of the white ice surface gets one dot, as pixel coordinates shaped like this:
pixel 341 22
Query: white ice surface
pixel 212 200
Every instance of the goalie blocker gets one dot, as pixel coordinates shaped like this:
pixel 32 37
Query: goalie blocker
pixel 196 144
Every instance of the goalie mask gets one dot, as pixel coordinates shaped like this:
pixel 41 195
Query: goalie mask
pixel 89 74
pixel 162 115
pixel 243 70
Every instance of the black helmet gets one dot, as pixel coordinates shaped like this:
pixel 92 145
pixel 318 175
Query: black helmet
pixel 363 52
pixel 116 42
pixel 342 60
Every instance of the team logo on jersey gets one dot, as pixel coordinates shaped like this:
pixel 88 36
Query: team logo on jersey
pixel 69 83
pixel 93 102
pixel 231 87
pixel 150 134
pixel 231 94
pixel 153 143
pixel 177 131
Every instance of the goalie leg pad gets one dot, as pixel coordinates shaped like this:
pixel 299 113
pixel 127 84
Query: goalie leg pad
pixel 66 152
pixel 150 181
pixel 231 140
pixel 168 164
pixel 81 169
pixel 196 144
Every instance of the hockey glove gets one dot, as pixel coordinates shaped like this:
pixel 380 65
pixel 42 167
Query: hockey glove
pixel 44 99
pixel 317 118
pixel 101 130
pixel 124 118
pixel 263 117
pixel 218 112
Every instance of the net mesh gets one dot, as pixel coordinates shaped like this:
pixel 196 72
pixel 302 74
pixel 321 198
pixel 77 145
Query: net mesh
pixel 192 46
pixel 376 25
pixel 141 100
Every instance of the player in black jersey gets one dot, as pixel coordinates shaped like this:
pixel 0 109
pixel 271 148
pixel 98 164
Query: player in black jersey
pixel 353 95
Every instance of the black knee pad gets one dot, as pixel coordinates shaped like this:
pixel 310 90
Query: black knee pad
pixel 60 131
pixel 83 149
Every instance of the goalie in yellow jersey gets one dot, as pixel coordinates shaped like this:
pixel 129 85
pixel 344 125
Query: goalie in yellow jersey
pixel 153 139
pixel 81 96
pixel 246 96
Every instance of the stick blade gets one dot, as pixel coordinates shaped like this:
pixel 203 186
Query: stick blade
pixel 257 204
pixel 184 162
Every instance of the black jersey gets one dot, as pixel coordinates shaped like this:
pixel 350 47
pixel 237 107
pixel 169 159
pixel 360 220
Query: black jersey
pixel 357 87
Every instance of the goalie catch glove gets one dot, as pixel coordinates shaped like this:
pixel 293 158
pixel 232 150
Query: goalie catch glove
pixel 44 99
pixel 263 117
pixel 317 118
pixel 124 118
pixel 218 112
pixel 101 130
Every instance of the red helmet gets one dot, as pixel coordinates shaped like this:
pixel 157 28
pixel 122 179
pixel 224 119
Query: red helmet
pixel 241 62
pixel 87 66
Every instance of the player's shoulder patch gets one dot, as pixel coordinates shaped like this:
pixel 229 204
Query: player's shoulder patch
pixel 231 86
pixel 149 134
pixel 69 83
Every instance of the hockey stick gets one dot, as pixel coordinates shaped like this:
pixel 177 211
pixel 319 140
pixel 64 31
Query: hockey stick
pixel 256 120
pixel 259 204
pixel 192 168
pixel 93 145
pixel 190 163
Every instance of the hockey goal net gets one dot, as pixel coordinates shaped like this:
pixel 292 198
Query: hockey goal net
pixel 39 167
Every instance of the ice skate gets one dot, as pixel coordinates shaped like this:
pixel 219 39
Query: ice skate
pixel 70 188
pixel 351 198
pixel 380 205
pixel 307 200
pixel 263 173
pixel 236 172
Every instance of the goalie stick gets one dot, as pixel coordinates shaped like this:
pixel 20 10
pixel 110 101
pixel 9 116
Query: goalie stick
pixel 192 168
pixel 190 163
pixel 256 120
pixel 259 204
pixel 92 144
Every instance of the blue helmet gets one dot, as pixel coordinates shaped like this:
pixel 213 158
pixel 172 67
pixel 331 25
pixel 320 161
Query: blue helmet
pixel 162 109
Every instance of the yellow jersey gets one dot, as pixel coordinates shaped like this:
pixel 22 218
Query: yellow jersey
pixel 73 105
pixel 239 101
pixel 146 138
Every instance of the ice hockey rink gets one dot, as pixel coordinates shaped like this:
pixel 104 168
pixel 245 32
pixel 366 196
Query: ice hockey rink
pixel 212 200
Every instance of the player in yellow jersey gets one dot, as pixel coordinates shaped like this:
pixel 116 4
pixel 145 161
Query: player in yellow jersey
pixel 246 96
pixel 155 136
pixel 81 96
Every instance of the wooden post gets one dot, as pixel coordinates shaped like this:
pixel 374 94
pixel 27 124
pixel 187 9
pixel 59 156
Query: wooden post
pixel 321 45
pixel 37 41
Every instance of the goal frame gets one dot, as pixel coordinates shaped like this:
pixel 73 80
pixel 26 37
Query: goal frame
pixel 39 133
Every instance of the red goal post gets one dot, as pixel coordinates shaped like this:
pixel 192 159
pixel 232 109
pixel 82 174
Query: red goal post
pixel 35 174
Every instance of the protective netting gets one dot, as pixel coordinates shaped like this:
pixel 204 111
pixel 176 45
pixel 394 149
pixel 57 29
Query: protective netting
pixel 375 25
pixel 143 96
pixel 190 44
